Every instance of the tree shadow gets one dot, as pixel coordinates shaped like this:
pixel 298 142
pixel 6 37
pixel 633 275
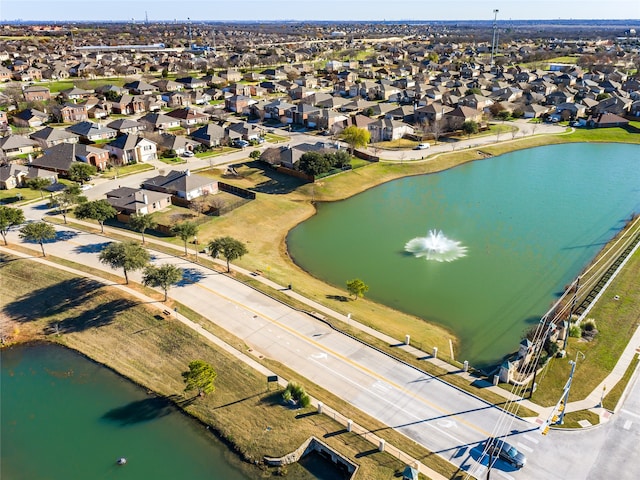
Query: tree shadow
pixel 76 299
pixel 99 316
pixel 277 183
pixel 91 248
pixel 240 400
pixel 189 276
pixel 62 236
pixel 340 298
pixel 140 411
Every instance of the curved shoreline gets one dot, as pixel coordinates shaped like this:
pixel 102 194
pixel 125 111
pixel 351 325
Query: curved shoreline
pixel 391 170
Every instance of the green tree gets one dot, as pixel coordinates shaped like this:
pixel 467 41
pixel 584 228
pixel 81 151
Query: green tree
pixel 81 172
pixel 99 210
pixel 255 155
pixel 185 231
pixel 229 247
pixel 357 288
pixel 9 217
pixel 200 376
pixel 140 223
pixel 314 163
pixel 38 232
pixel 38 183
pixel 341 159
pixel 163 276
pixel 129 256
pixel 355 137
pixel 470 127
pixel 69 197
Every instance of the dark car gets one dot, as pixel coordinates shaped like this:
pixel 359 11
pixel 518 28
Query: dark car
pixel 507 452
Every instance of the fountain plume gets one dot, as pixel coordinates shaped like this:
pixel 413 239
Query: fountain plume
pixel 436 246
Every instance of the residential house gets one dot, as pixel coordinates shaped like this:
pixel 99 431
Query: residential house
pixel 5 74
pixel 159 121
pixel 244 131
pixel 326 119
pixel 36 93
pixel 92 132
pixel 211 135
pixel 97 108
pixel 140 88
pixel 188 117
pixel 165 85
pixel 14 145
pixel 177 143
pixel 125 125
pixel 288 156
pixel 278 109
pixel 616 105
pixel 14 175
pixel 238 103
pixel 456 117
pixel 130 148
pixel 59 158
pixel 231 75
pixel 183 185
pixel 71 113
pixel 607 120
pixel 49 136
pixel 129 104
pixel 301 113
pixel 176 99
pixel 30 118
pixel 386 129
pixel 74 94
pixel 137 201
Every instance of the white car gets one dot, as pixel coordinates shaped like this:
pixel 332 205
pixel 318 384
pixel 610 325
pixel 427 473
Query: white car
pixel 423 146
pixel 187 153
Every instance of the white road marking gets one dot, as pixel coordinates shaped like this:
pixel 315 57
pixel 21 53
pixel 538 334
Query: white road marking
pixel 381 386
pixel 531 439
pixel 319 356
pixel 385 400
pixel 630 413
pixel 627 424
pixel 524 447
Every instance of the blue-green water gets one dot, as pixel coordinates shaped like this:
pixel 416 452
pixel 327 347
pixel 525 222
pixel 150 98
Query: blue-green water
pixel 531 220
pixel 66 418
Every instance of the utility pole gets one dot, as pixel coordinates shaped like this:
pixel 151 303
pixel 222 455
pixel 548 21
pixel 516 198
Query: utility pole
pixel 495 34
pixel 567 388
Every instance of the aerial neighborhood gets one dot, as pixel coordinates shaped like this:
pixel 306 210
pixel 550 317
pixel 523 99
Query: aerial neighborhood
pixel 131 104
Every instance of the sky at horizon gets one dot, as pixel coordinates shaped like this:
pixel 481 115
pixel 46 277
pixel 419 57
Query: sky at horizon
pixel 331 10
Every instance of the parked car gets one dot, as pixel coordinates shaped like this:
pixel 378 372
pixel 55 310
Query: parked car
pixel 507 452
pixel 187 153
pixel 240 143
pixel 423 146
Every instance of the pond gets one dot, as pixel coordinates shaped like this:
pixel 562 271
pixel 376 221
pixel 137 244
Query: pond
pixel 528 222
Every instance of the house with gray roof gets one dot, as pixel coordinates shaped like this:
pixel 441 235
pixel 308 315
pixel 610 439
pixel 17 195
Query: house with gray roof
pixel 92 132
pixel 211 135
pixel 13 175
pixel 183 185
pixel 130 148
pixel 49 136
pixel 137 201
pixel 13 145
pixel 59 158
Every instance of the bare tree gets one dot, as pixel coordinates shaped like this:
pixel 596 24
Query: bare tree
pixel 436 128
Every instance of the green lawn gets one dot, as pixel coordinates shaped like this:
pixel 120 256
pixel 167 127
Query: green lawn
pixel 172 160
pixel 59 85
pixel 127 170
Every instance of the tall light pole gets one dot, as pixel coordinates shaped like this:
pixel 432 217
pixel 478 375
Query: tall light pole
pixel 495 34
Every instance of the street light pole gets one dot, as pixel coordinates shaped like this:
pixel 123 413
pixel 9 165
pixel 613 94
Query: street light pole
pixel 495 30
